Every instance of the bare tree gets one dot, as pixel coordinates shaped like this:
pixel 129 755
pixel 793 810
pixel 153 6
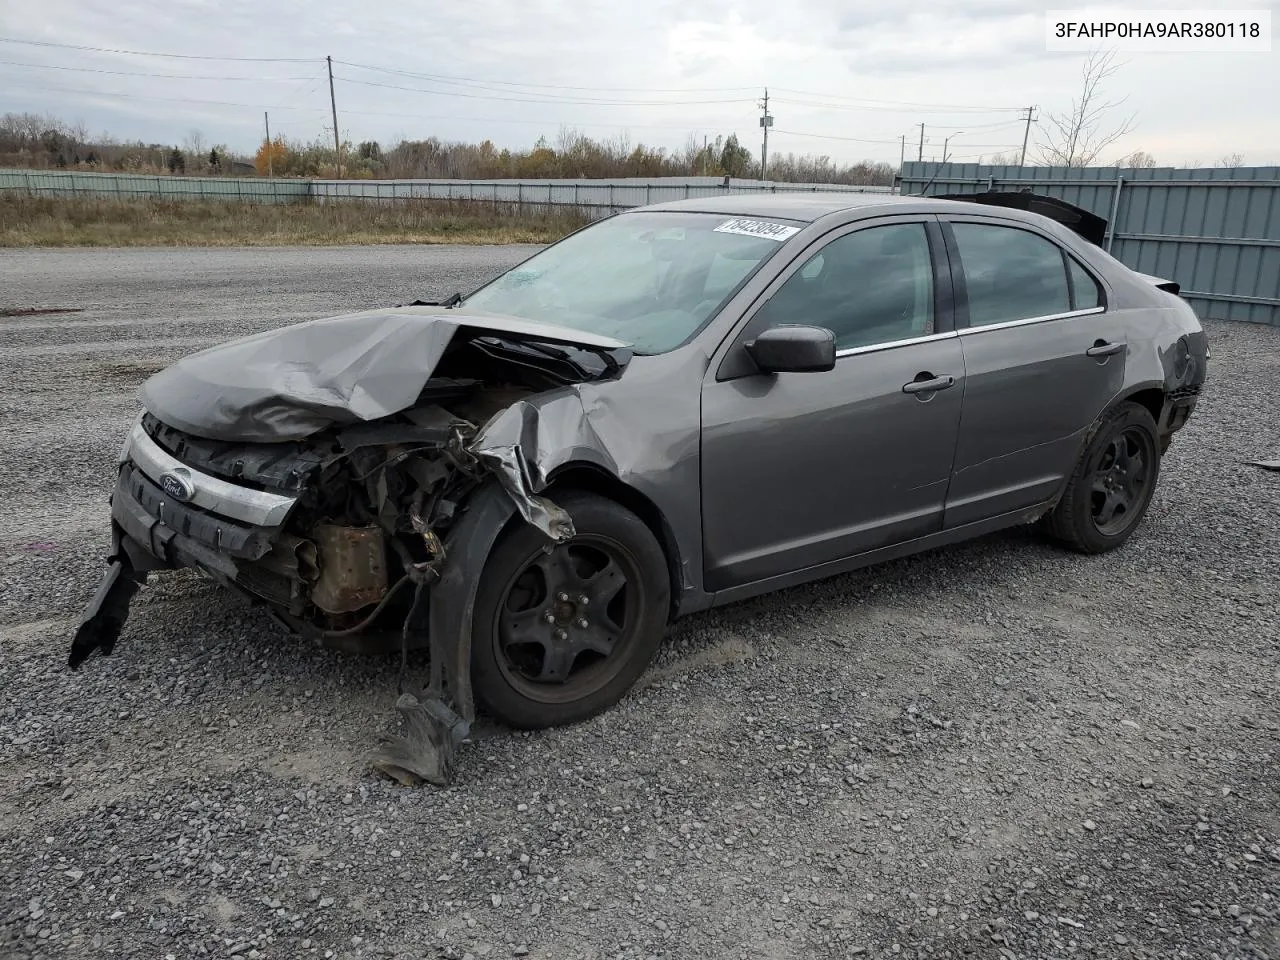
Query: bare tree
pixel 1139 159
pixel 1077 137
pixel 1231 160
pixel 197 155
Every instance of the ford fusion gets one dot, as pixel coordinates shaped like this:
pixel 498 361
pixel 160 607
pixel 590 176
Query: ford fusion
pixel 678 407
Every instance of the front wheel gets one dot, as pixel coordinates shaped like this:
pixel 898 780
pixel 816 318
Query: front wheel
pixel 562 632
pixel 1112 486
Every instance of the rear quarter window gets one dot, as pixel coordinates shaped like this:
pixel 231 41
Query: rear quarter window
pixel 1010 274
pixel 1085 292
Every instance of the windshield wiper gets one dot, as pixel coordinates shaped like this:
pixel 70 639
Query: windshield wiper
pixel 452 300
pixel 547 349
pixel 610 363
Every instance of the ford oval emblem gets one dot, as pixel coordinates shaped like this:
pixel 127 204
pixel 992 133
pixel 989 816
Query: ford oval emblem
pixel 177 487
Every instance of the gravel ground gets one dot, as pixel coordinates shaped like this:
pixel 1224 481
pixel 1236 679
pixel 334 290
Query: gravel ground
pixel 993 750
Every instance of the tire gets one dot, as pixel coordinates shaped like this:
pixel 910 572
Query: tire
pixel 534 664
pixel 1111 488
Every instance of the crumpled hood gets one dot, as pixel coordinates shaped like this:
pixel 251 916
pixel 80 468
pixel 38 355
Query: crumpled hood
pixel 289 383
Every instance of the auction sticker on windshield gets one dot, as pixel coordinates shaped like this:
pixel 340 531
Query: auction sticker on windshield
pixel 758 228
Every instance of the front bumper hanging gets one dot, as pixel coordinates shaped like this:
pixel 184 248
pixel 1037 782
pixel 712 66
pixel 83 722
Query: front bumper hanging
pixel 106 613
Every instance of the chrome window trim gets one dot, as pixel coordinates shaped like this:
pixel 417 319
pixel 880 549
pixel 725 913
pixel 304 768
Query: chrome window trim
pixel 965 331
pixel 891 344
pixel 1027 321
pixel 257 507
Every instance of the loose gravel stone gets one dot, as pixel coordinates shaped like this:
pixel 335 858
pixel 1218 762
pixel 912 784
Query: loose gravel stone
pixel 894 762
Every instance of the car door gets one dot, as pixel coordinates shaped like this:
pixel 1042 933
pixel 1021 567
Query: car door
pixel 1042 359
pixel 799 469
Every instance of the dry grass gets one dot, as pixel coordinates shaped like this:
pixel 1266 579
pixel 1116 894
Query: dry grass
pixel 106 222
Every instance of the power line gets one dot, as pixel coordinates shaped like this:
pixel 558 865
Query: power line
pixel 543 123
pixel 527 96
pixel 448 78
pixel 172 56
pixel 484 85
pixel 132 96
pixel 134 73
pixel 825 136
pixel 584 101
pixel 896 109
pixel 1001 124
pixel 316 80
pixel 896 103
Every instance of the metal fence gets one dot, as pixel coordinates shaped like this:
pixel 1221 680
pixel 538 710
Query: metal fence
pixel 59 183
pixel 1214 231
pixel 595 198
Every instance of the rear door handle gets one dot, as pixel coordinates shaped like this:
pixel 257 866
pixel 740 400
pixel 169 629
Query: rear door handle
pixel 1103 349
pixel 928 386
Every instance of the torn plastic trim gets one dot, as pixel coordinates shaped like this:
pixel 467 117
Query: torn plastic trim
pixel 438 719
pixel 105 615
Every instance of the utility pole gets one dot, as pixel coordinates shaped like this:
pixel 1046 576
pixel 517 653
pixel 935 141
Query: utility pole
pixel 267 121
pixel 704 154
pixel 1025 134
pixel 902 154
pixel 766 121
pixel 333 104
pixel 920 155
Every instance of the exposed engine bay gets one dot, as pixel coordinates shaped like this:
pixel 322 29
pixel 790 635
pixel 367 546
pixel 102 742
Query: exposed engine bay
pixel 374 501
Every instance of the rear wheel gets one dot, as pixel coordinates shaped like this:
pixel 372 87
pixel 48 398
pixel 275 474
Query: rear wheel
pixel 561 634
pixel 1112 486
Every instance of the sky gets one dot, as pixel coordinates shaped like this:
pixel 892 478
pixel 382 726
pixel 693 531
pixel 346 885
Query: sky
pixel 846 78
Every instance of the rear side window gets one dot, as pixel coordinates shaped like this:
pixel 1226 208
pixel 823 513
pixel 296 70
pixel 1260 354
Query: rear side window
pixel 1010 274
pixel 1084 289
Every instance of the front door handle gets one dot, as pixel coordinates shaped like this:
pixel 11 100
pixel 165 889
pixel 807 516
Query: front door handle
pixel 929 385
pixel 1103 349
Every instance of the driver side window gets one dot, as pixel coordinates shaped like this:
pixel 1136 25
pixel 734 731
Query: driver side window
pixel 868 287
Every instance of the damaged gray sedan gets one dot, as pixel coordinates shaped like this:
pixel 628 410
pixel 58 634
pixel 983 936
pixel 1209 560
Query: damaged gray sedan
pixel 681 406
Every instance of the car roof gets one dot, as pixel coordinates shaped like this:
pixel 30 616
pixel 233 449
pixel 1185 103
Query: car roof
pixel 807 207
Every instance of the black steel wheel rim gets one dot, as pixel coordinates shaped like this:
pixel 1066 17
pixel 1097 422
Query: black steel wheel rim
pixel 567 617
pixel 1121 481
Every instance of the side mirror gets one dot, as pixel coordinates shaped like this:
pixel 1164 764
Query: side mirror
pixel 793 349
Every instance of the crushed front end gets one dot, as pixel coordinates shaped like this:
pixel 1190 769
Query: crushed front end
pixel 325 532
pixel 366 536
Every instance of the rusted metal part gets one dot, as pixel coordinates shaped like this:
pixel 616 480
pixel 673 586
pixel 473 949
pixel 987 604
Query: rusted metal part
pixel 353 567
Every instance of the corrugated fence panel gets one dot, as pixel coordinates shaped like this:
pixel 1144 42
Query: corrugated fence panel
pixel 61 183
pixel 598 196
pixel 1215 231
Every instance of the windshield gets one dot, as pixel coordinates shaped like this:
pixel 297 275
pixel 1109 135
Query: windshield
pixel 648 279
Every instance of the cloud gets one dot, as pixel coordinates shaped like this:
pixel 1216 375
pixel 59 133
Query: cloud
pixel 510 70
